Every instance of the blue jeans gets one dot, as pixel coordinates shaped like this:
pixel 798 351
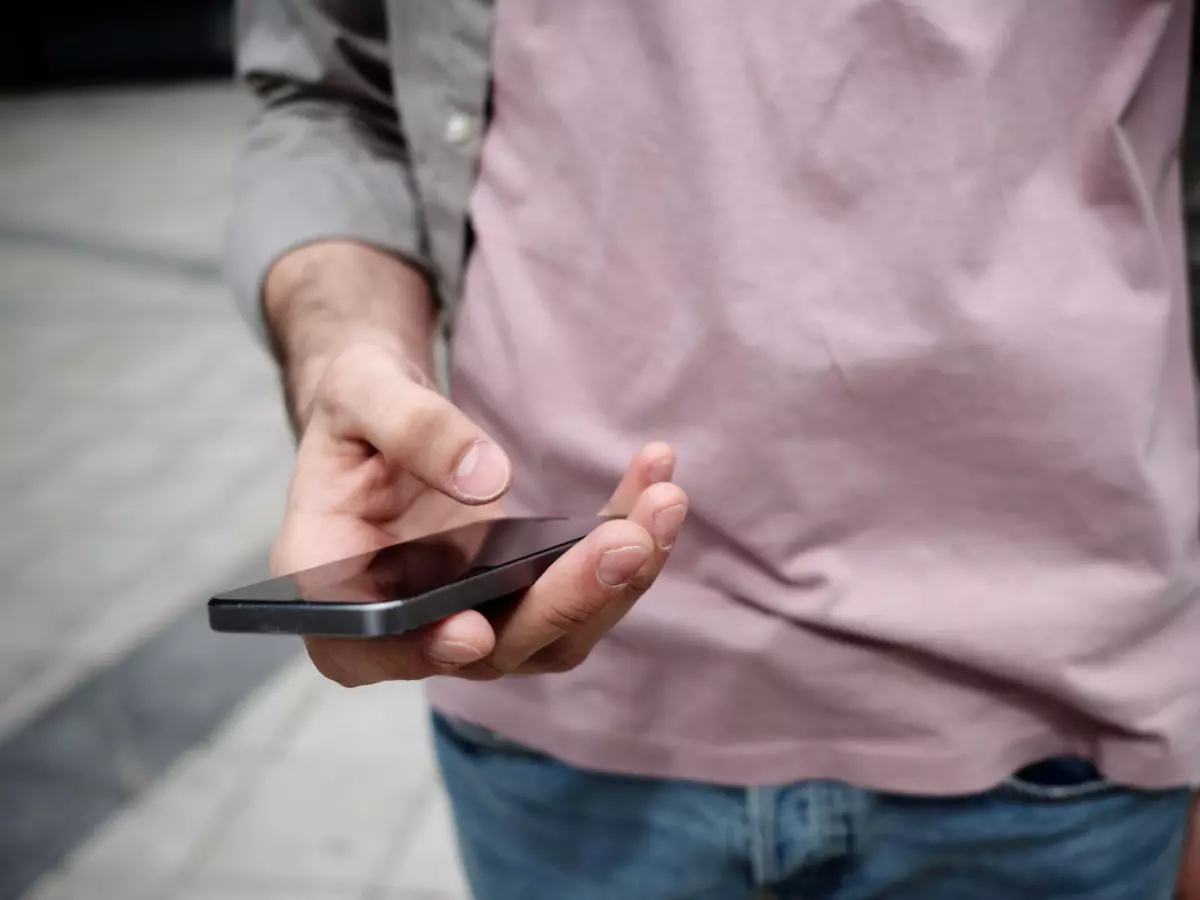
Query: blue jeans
pixel 533 828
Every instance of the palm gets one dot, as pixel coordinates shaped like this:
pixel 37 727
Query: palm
pixel 352 501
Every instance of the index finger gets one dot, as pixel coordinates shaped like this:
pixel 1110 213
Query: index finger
pixel 652 464
pixel 598 572
pixel 367 395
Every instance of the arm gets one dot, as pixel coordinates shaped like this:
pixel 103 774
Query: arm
pixel 325 242
pixel 325 255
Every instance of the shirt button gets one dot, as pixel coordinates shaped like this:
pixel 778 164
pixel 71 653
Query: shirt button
pixel 460 128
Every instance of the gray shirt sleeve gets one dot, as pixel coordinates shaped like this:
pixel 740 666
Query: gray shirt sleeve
pixel 324 155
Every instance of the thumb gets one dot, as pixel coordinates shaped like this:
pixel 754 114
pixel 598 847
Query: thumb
pixel 652 464
pixel 368 397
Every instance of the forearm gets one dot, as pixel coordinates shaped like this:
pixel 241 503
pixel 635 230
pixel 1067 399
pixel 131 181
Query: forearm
pixel 324 297
pixel 325 220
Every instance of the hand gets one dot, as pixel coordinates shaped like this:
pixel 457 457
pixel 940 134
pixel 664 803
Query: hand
pixel 385 458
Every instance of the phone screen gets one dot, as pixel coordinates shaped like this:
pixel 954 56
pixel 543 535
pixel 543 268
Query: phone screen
pixel 409 569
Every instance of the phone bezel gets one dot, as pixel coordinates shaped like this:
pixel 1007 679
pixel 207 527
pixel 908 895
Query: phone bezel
pixel 386 617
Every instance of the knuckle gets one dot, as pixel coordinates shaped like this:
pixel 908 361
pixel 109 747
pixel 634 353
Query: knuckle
pixel 329 660
pixel 487 673
pixel 333 670
pixel 423 418
pixel 664 494
pixel 490 668
pixel 394 662
pixel 475 672
pixel 400 672
pixel 643 580
pixel 622 532
pixel 346 374
pixel 567 616
pixel 360 377
pixel 342 679
pixel 566 659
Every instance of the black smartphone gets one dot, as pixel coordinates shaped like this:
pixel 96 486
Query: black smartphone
pixel 403 586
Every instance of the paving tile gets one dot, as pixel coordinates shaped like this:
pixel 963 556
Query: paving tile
pixel 113 301
pixel 176 505
pixel 90 590
pixel 146 847
pixel 386 723
pixel 37 615
pixel 242 529
pixel 129 724
pixel 127 184
pixel 33 803
pixel 225 889
pixel 78 566
pixel 172 505
pixel 110 738
pixel 232 454
pixel 102 468
pixel 185 573
pixel 270 716
pixel 168 367
pixel 56 886
pixel 29 351
pixel 39 688
pixel 428 860
pixel 321 824
pixel 32 448
pixel 17 667
pixel 144 453
pixel 136 609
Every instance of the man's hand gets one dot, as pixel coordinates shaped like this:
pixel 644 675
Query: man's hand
pixel 383 458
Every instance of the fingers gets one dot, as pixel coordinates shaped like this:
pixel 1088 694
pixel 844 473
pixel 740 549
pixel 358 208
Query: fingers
pixel 661 510
pixel 590 588
pixel 595 572
pixel 367 395
pixel 367 398
pixel 652 464
pixel 439 649
pixel 554 626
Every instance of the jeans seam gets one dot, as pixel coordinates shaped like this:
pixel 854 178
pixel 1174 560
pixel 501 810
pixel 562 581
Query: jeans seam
pixel 760 809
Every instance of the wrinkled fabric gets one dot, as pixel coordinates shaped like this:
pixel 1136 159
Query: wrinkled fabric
pixel 903 282
pixel 349 138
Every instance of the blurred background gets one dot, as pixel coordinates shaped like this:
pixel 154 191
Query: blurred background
pixel 143 463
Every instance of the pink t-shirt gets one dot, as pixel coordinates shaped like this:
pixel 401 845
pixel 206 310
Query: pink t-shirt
pixel 903 281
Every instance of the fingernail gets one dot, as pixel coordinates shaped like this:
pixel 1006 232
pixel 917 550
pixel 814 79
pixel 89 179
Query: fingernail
pixel 482 473
pixel 662 469
pixel 618 566
pixel 452 653
pixel 665 525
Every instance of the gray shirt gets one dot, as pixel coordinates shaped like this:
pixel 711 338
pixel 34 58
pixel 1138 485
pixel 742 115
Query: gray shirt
pixel 369 128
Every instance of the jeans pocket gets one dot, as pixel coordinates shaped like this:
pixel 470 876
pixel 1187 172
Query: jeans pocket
pixel 1059 778
pixel 478 739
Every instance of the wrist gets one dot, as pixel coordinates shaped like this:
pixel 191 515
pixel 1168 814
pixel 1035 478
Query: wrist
pixel 322 298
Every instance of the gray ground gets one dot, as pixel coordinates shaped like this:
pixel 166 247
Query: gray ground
pixel 143 458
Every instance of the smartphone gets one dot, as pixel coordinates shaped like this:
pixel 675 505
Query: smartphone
pixel 403 586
